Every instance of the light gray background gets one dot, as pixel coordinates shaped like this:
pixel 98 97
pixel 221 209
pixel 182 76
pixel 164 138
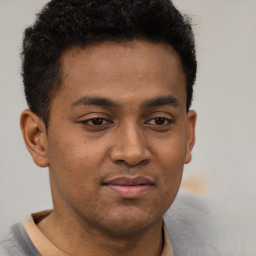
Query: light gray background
pixel 225 91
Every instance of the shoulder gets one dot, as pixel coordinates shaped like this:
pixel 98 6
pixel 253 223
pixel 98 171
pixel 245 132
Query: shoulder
pixel 16 242
pixel 192 226
pixel 9 244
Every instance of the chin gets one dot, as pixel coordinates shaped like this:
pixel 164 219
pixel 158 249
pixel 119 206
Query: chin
pixel 129 223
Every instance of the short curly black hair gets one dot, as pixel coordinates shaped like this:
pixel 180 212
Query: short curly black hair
pixel 66 23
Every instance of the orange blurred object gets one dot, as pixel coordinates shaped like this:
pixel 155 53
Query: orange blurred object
pixel 195 184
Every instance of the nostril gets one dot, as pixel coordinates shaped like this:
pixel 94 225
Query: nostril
pixel 119 161
pixel 143 162
pixel 130 152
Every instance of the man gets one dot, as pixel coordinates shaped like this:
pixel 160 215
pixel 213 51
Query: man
pixel 109 86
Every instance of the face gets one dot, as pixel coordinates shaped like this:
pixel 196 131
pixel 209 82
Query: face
pixel 119 135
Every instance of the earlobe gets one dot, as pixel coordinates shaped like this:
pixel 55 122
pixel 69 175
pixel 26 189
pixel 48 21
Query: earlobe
pixel 191 123
pixel 35 137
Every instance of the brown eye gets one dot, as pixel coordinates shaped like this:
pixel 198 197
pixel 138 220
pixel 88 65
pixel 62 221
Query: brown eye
pixel 160 120
pixel 96 124
pixel 96 121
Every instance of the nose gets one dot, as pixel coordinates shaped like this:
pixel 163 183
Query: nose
pixel 130 146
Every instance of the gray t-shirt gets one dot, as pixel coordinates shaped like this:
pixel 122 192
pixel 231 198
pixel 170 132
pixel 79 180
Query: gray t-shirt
pixel 188 222
pixel 17 243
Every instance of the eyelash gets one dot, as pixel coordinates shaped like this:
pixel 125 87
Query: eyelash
pixel 166 121
pixel 104 123
pixel 96 119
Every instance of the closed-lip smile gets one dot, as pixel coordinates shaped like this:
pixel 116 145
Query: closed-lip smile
pixel 129 187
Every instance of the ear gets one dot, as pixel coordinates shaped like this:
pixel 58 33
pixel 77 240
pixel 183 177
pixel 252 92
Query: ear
pixel 191 123
pixel 35 137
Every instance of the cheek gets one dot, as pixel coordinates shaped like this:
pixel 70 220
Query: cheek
pixel 74 167
pixel 171 160
pixel 172 153
pixel 75 152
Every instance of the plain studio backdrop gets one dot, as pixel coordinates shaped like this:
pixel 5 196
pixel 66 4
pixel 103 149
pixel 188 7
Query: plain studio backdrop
pixel 223 165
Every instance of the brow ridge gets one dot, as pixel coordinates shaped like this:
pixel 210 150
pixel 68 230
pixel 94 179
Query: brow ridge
pixel 94 100
pixel 161 101
pixel 105 102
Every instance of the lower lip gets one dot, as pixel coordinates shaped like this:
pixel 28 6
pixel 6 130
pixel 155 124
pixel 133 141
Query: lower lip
pixel 130 192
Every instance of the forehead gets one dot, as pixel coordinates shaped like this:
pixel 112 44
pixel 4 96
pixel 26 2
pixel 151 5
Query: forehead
pixel 121 71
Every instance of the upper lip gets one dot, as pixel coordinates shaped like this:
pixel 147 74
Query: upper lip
pixel 129 181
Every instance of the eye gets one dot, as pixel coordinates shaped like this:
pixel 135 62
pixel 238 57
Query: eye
pixel 96 121
pixel 96 124
pixel 160 121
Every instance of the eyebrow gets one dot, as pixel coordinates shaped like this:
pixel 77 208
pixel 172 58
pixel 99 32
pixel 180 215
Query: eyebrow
pixel 161 101
pixel 105 102
pixel 97 101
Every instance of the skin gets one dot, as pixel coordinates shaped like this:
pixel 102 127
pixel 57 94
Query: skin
pixel 141 128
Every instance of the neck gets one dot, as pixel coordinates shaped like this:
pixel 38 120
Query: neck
pixel 76 238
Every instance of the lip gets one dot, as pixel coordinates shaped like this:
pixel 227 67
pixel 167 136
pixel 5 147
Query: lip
pixel 129 187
